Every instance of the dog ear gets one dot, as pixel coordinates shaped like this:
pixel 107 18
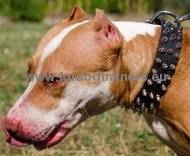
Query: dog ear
pixel 76 13
pixel 106 28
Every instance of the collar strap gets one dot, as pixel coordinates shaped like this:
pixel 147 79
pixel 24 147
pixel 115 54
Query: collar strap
pixel 163 68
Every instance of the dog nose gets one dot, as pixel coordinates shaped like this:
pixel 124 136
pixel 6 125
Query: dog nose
pixel 10 125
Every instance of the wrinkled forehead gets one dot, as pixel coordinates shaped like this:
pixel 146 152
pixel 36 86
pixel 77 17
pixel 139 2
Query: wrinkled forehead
pixel 56 45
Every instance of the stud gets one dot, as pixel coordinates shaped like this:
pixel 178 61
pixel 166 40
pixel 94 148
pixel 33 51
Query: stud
pixel 146 110
pixel 133 106
pixel 163 87
pixel 178 45
pixel 168 77
pixel 177 55
pixel 151 95
pixel 164 66
pixel 173 37
pixel 149 82
pixel 142 106
pixel 158 97
pixel 151 106
pixel 144 92
pixel 166 30
pixel 154 71
pixel 159 81
pixel 180 29
pixel 138 101
pixel 172 66
pixel 164 39
pixel 158 60
pixel 170 51
pixel 162 50
pixel 179 37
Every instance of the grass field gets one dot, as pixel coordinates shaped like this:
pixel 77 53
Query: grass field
pixel 115 133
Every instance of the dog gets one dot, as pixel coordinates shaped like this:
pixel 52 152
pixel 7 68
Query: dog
pixel 48 110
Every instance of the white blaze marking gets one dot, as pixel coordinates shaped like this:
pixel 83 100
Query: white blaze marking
pixel 55 42
pixel 131 29
pixel 22 98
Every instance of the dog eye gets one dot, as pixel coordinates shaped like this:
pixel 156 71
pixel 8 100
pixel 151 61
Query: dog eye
pixel 51 81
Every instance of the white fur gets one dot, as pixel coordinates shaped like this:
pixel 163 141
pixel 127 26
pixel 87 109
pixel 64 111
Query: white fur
pixel 22 98
pixel 55 42
pixel 160 129
pixel 131 29
pixel 73 93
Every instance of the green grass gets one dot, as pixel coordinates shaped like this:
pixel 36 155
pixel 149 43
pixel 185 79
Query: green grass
pixel 113 133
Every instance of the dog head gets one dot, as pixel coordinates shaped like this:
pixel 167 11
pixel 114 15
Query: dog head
pixel 48 110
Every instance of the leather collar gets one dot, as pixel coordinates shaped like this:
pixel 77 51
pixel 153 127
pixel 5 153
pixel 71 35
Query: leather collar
pixel 163 68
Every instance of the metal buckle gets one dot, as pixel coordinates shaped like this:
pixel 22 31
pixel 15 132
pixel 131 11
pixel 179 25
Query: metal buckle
pixel 151 20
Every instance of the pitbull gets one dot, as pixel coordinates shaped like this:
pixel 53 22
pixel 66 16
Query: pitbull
pixel 48 110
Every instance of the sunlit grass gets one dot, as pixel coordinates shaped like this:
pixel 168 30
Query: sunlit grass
pixel 113 133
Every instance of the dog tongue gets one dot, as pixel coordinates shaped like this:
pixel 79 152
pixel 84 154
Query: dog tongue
pixel 12 140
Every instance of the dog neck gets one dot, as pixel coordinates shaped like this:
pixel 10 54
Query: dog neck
pixel 137 53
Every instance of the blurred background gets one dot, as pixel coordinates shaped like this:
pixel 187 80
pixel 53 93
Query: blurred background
pixel 117 133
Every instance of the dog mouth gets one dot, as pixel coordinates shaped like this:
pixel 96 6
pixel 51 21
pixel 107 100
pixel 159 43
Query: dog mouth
pixel 55 135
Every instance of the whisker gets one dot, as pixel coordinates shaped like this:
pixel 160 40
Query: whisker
pixel 85 111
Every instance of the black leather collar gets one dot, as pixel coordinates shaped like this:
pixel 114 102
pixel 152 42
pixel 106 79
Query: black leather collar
pixel 167 57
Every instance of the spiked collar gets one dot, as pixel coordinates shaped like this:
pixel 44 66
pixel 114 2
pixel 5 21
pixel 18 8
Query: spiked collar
pixel 163 68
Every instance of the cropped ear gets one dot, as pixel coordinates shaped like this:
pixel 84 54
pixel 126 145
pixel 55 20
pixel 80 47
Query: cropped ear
pixel 107 29
pixel 76 13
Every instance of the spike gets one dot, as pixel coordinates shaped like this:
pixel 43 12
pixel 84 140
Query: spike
pixel 151 95
pixel 168 77
pixel 170 51
pixel 138 101
pixel 158 97
pixel 178 45
pixel 158 60
pixel 149 82
pixel 159 81
pixel 142 106
pixel 144 92
pixel 151 106
pixel 164 39
pixel 173 37
pixel 162 50
pixel 177 55
pixel 163 87
pixel 172 66
pixel 154 71
pixel 164 66
pixel 146 110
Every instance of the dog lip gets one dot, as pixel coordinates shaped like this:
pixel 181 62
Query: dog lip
pixel 53 138
pixel 13 141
